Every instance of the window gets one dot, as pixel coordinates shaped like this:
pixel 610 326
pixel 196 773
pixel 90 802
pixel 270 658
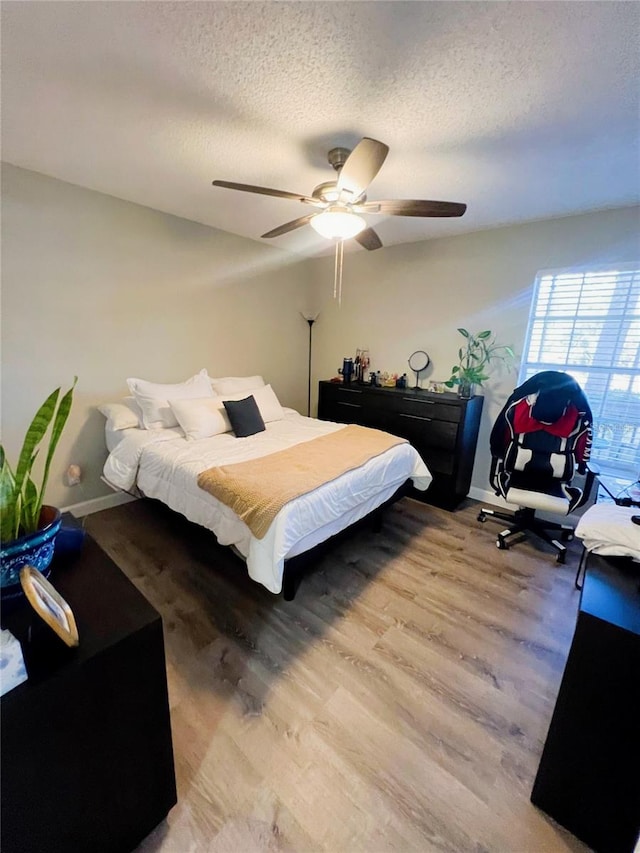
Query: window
pixel 588 323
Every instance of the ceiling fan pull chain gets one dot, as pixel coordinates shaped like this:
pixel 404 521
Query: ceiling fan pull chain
pixel 337 272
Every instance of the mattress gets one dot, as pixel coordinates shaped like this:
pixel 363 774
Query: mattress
pixel 163 465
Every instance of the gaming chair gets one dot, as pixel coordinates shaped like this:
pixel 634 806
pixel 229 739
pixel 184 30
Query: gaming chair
pixel 540 438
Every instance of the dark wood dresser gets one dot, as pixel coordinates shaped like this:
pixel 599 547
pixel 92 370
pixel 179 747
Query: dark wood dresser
pixel 442 427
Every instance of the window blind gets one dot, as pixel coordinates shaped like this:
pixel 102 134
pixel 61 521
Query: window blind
pixel 588 324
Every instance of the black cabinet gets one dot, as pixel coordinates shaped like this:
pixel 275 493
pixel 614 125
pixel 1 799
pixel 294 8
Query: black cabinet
pixel 588 779
pixel 87 758
pixel 442 427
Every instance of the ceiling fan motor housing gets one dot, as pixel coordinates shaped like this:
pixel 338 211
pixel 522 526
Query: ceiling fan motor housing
pixel 337 157
pixel 328 192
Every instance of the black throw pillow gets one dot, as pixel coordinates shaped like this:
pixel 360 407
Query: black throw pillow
pixel 245 416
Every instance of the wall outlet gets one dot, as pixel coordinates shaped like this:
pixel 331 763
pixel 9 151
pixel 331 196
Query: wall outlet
pixel 74 475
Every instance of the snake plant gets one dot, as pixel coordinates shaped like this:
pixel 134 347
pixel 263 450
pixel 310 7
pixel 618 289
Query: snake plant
pixel 20 499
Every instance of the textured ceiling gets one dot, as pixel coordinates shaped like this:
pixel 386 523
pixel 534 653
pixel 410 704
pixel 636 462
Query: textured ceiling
pixel 523 110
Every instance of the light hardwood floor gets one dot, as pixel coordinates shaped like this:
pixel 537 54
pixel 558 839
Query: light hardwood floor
pixel 400 702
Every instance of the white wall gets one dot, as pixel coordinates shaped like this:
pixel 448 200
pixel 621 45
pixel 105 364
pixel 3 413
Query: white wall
pixel 415 296
pixel 103 289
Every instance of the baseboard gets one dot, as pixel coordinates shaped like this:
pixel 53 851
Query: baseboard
pixel 98 504
pixel 486 496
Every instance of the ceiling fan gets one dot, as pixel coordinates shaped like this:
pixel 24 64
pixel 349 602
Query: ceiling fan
pixel 340 203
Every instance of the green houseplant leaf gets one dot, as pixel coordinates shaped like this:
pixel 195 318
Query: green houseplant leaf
pixel 36 432
pixel 20 499
pixel 474 359
pixel 58 425
pixel 8 505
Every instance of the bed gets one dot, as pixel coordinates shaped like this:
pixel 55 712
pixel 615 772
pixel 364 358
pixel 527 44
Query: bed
pixel 164 464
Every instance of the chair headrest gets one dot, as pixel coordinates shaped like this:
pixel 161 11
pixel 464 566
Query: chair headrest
pixel 549 407
pixel 553 392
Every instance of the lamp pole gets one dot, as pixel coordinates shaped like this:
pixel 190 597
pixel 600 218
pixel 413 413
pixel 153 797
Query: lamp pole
pixel 310 320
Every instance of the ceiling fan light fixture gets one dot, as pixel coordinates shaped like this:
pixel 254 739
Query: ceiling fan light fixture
pixel 343 199
pixel 338 223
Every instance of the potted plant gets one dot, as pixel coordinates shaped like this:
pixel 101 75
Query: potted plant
pixel 474 359
pixel 28 527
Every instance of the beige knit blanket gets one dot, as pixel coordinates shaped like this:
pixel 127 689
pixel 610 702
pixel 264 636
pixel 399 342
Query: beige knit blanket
pixel 257 490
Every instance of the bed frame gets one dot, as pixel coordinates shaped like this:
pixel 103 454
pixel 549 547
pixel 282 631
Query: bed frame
pixel 296 567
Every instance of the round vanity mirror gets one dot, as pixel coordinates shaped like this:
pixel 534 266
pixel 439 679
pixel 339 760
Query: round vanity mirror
pixel 418 361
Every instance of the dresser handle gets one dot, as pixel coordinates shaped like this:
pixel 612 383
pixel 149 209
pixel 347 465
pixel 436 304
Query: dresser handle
pixel 349 390
pixel 415 417
pixel 351 405
pixel 418 400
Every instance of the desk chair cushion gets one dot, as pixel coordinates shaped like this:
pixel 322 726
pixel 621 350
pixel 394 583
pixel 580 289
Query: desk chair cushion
pixel 560 499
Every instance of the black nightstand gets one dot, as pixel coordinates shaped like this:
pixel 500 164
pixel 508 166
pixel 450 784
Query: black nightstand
pixel 87 757
pixel 588 774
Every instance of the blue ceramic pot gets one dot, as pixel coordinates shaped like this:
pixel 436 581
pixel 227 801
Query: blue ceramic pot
pixel 33 549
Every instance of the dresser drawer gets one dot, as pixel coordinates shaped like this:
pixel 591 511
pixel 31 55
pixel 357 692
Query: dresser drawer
pixel 350 406
pixel 424 431
pixel 426 407
pixel 334 391
pixel 438 462
pixel 343 405
pixel 342 412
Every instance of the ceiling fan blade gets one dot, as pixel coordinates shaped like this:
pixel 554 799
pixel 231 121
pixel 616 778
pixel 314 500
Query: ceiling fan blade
pixel 362 165
pixel 290 226
pixel 249 188
pixel 412 207
pixel 369 239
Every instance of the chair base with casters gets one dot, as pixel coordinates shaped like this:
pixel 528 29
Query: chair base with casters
pixel 524 522
pixel 559 498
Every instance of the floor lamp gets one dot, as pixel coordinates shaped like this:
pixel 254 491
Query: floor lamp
pixel 310 320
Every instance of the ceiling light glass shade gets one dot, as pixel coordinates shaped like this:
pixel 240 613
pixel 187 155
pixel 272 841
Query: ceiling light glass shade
pixel 336 222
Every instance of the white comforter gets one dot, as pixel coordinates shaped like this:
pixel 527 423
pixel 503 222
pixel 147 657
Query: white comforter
pixel 164 465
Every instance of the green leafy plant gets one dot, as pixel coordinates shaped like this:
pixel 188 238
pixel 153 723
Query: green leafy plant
pixel 474 359
pixel 20 499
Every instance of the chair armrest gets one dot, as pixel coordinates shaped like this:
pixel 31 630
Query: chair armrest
pixel 591 474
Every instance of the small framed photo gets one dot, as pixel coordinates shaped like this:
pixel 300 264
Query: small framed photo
pixel 49 605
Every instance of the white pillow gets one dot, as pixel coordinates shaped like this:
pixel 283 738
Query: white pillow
pixel 235 384
pixel 123 415
pixel 268 403
pixel 206 416
pixel 201 417
pixel 153 398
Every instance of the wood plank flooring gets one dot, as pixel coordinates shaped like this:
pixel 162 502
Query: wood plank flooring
pixel 399 703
